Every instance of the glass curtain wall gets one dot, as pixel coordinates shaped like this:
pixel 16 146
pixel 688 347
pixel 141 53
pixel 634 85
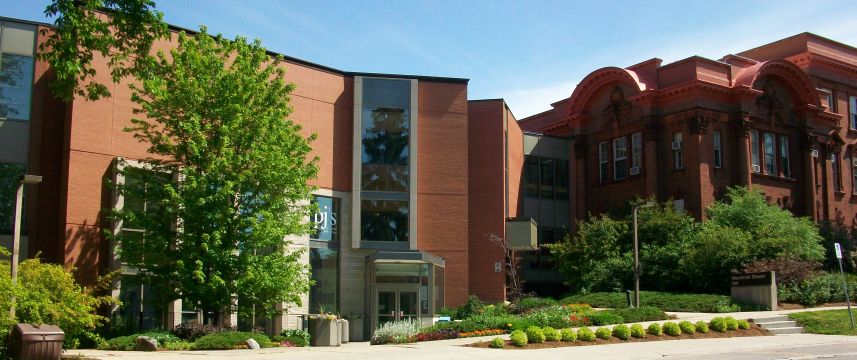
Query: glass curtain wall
pixel 324 256
pixel 385 160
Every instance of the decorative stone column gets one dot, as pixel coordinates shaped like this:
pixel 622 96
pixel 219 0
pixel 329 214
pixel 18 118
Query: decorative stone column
pixel 696 153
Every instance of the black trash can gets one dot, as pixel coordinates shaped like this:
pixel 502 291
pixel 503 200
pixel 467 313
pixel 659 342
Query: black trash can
pixel 36 342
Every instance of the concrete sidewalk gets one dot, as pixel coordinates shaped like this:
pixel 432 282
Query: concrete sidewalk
pixel 455 349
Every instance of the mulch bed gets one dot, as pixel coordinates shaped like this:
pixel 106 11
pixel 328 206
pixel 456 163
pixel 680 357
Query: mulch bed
pixel 754 330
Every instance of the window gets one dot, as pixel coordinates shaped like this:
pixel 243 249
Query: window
pixel 754 150
pixel 826 96
pixel 834 172
pixel 531 176
pixel 620 158
pixel 637 151
pixel 141 210
pixel 718 150
pixel 785 163
pixel 9 174
pixel 325 269
pixel 677 156
pixel 546 187
pixel 386 158
pixel 326 219
pixel 853 174
pixel 770 155
pixel 561 179
pixel 17 43
pixel 852 111
pixel 603 161
pixel 384 220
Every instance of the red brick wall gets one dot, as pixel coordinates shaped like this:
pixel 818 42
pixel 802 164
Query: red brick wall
pixel 442 182
pixel 486 200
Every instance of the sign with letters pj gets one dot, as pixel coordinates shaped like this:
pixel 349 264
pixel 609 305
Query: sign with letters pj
pixel 326 222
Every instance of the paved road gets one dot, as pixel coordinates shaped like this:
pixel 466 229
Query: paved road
pixel 835 351
pixel 791 347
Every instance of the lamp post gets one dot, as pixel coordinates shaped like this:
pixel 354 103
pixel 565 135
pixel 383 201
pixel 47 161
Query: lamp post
pixel 16 234
pixel 637 254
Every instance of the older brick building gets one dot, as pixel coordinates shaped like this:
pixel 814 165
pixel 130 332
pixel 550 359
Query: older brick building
pixel 781 117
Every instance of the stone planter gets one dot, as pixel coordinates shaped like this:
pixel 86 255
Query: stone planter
pixel 355 329
pixel 343 331
pixel 325 332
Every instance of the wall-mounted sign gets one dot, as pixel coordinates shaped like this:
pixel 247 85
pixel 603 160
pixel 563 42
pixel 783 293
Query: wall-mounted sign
pixel 326 221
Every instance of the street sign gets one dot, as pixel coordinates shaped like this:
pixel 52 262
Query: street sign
pixel 838 250
pixel 844 283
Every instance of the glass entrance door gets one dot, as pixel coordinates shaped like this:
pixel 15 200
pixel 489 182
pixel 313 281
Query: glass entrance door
pixel 397 303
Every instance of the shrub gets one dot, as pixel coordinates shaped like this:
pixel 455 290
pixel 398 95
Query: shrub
pixel 178 345
pixel 535 335
pixel 554 316
pixel 567 335
pixel 194 330
pixel 731 323
pixel 602 318
pixel 473 306
pixel 701 327
pixel 48 294
pixel 297 337
pixel 672 329
pixel 497 343
pixel 396 332
pixel 661 300
pixel 129 342
pixel 686 327
pixel 603 333
pixel 229 340
pixel 637 331
pixel 717 324
pixel 519 338
pixel 532 303
pixel 743 324
pixel 551 334
pixel 622 331
pixel 585 334
pixel 644 313
pixel 655 330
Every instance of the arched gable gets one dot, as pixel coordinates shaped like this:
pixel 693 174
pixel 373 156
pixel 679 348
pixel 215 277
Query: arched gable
pixel 792 75
pixel 595 81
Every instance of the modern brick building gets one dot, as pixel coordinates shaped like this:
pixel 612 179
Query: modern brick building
pixel 403 228
pixel 393 236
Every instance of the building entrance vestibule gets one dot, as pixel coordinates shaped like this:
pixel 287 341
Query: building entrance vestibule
pixel 404 286
pixel 397 303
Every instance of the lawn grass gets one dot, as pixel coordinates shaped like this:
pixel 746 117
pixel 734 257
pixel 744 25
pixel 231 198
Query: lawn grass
pixel 661 300
pixel 827 322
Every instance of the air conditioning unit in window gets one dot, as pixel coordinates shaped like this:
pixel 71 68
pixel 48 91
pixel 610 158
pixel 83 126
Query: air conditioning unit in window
pixel 815 153
pixel 635 170
pixel 676 145
pixel 854 161
pixel 756 168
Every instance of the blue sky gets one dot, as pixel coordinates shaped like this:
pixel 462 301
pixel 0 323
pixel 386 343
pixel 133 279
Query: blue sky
pixel 531 53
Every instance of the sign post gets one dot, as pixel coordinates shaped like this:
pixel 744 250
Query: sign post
pixel 844 283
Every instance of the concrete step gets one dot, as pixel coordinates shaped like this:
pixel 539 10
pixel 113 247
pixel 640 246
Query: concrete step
pixel 771 319
pixel 786 330
pixel 778 324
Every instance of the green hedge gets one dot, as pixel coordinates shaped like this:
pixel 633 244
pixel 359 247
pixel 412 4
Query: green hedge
pixel 129 342
pixel 229 340
pixel 661 300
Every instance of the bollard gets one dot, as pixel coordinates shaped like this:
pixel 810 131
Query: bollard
pixel 630 303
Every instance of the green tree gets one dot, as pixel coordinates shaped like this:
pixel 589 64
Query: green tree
pixel 85 31
pixel 216 121
pixel 596 257
pixel 773 232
